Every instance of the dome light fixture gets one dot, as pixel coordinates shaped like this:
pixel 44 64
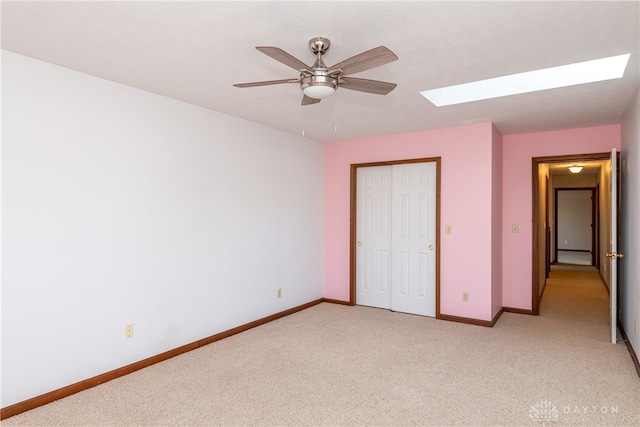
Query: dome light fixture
pixel 319 86
pixel 575 168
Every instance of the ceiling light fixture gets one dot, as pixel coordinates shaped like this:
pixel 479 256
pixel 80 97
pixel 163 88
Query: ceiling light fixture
pixel 575 168
pixel 532 81
pixel 318 87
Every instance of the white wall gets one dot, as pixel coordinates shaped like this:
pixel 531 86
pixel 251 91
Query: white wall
pixel 575 215
pixel 630 242
pixel 567 181
pixel 122 206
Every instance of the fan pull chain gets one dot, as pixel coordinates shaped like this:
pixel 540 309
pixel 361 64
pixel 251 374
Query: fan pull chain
pixel 303 121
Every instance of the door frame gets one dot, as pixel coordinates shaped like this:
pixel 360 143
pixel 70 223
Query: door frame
pixel 595 229
pixel 353 221
pixel 535 163
pixel 547 231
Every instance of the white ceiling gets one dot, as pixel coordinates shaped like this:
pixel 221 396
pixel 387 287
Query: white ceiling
pixel 591 167
pixel 195 51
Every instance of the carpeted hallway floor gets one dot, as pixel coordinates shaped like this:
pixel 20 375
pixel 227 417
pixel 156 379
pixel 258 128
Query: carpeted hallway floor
pixel 333 365
pixel 574 257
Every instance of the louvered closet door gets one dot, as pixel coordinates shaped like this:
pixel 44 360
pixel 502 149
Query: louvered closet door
pixel 396 225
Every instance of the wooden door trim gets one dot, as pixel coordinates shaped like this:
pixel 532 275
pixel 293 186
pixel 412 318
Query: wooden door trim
pixel 535 163
pixel 547 232
pixel 597 213
pixel 353 221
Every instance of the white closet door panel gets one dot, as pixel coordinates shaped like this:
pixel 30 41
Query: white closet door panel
pixel 395 234
pixel 413 238
pixel 373 233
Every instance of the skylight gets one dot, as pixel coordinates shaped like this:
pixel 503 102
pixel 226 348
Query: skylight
pixel 530 81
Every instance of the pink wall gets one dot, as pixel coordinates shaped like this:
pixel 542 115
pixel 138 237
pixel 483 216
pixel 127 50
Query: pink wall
pixel 496 223
pixel 517 196
pixel 480 170
pixel 466 204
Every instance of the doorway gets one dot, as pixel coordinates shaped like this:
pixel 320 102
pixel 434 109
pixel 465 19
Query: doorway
pixel 575 225
pixel 542 237
pixel 395 215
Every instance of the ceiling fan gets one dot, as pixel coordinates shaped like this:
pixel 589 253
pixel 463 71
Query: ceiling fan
pixel 320 81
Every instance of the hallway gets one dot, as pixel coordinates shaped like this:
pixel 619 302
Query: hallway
pixel 577 294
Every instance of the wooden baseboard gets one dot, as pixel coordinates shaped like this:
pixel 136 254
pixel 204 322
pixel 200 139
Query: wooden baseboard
pixel 43 399
pixel 487 323
pixel 518 310
pixel 444 316
pixel 634 356
pixel 336 301
pixel 497 316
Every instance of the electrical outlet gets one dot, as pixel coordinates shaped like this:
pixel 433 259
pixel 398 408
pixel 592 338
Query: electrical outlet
pixel 128 331
pixel 465 296
pixel 279 293
pixel 447 228
pixel 515 228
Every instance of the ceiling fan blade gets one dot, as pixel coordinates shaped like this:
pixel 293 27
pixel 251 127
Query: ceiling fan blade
pixel 307 100
pixel 365 85
pixel 283 57
pixel 267 83
pixel 366 60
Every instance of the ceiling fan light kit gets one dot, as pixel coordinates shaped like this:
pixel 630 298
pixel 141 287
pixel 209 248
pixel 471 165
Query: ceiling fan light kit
pixel 319 81
pixel 318 87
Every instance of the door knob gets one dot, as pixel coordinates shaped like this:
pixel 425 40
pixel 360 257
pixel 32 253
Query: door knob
pixel 430 247
pixel 359 243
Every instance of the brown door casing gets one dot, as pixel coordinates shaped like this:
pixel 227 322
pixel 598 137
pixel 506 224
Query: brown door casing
pixel 536 162
pixel 353 219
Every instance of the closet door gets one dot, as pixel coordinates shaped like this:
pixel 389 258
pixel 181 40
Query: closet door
pixel 395 232
pixel 413 242
pixel 373 231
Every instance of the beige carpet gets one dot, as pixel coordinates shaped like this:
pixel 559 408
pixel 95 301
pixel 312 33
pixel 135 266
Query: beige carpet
pixel 574 257
pixel 339 365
